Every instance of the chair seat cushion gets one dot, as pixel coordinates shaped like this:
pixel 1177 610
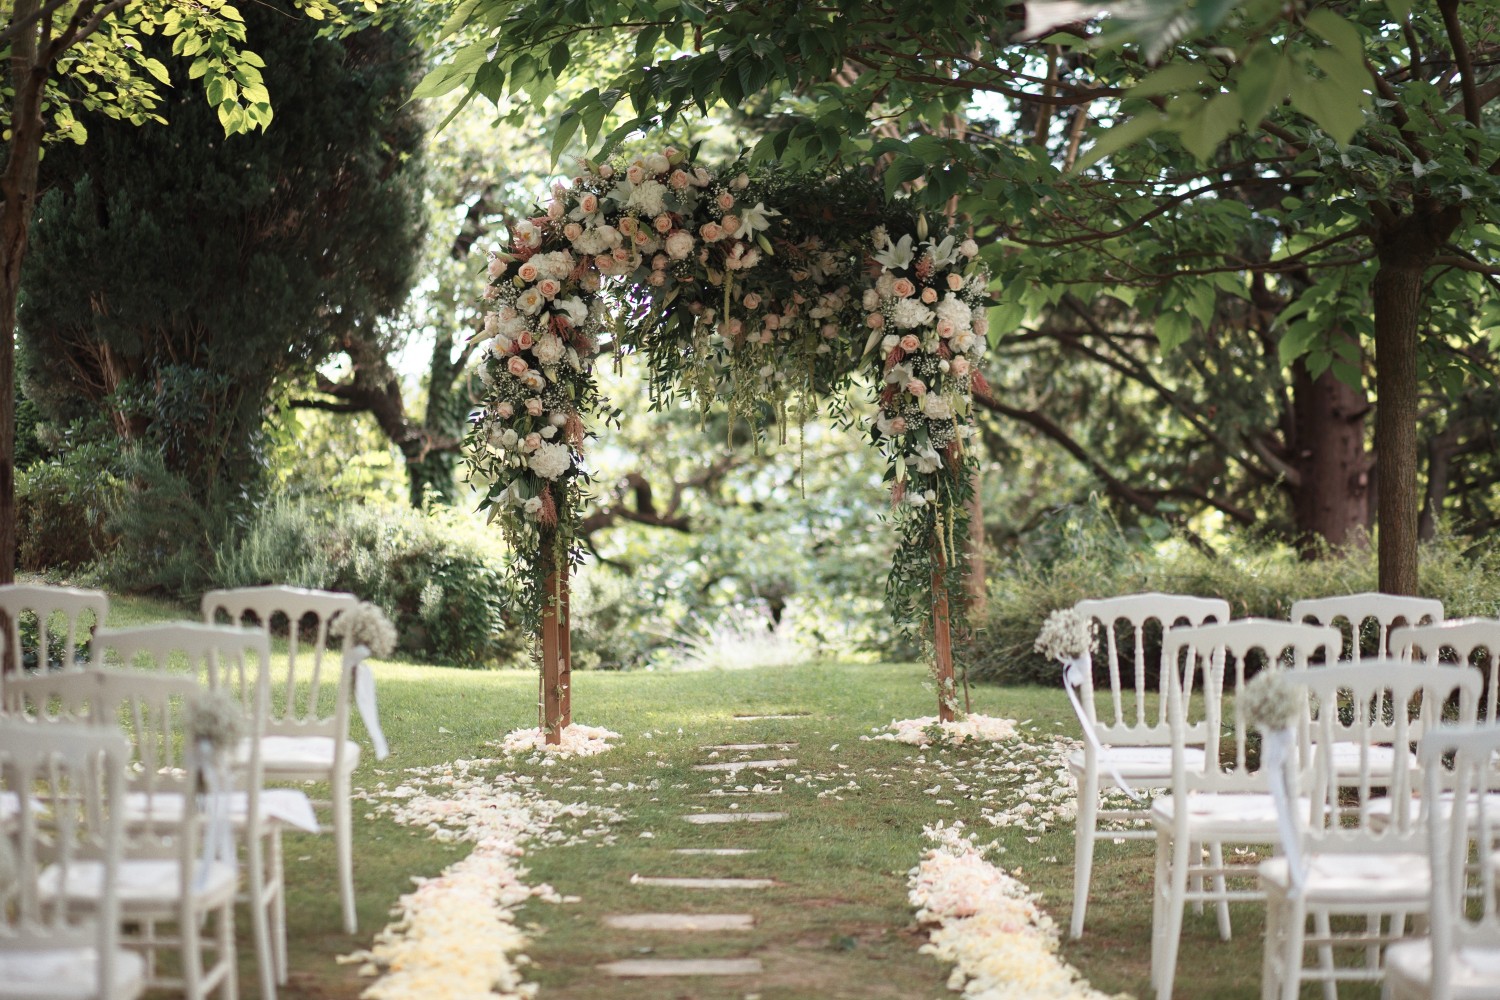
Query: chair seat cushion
pixel 1476 969
pixel 1364 880
pixel 142 884
pixel 289 806
pixel 303 755
pixel 1239 816
pixel 1346 759
pixel 1139 762
pixel 67 974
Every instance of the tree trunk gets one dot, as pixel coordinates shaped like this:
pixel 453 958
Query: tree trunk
pixel 1330 501
pixel 976 591
pixel 1405 250
pixel 18 188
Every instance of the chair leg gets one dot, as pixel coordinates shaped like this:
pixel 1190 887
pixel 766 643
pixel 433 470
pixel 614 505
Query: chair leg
pixel 277 871
pixel 1324 929
pixel 1295 925
pixel 1084 836
pixel 1158 900
pixel 260 932
pixel 1171 933
pixel 231 989
pixel 1271 959
pixel 192 954
pixel 343 831
pixel 1221 887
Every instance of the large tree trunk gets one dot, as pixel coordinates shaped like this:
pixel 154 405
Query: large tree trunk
pixel 1405 250
pixel 18 187
pixel 1330 500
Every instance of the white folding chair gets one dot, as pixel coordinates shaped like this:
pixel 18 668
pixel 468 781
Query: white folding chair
pixel 1371 611
pixel 1460 957
pixel 1363 867
pixel 1225 799
pixel 1475 641
pixel 68 614
pixel 307 725
pixel 165 877
pixel 238 660
pixel 68 782
pixel 1134 739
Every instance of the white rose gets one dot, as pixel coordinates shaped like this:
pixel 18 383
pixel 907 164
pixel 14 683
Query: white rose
pixel 935 406
pixel 533 505
pixel 657 163
pixel 889 343
pixel 530 301
pixel 871 300
pixel 550 461
pixel 679 244
pixel 549 349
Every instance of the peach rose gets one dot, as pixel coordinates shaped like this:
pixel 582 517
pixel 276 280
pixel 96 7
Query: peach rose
pixel 959 366
pixel 751 301
pixel 572 231
pixel 904 288
pixel 875 321
pixel 550 287
pixel 955 282
pixel 929 295
pixel 527 271
pixel 731 224
pixel 910 343
pixel 662 223
pixel 635 173
pixel 916 387
pixel 506 411
pixel 534 406
pixel 516 366
pixel 629 224
pixel 524 341
pixel 725 201
pixel 679 180
pixel 711 232
pixel 589 202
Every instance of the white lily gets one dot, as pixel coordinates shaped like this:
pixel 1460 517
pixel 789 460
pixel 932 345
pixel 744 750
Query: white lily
pixel 896 256
pixel 754 220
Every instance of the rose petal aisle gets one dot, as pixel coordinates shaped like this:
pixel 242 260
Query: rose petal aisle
pixel 455 935
pixel 1001 944
pixel 927 730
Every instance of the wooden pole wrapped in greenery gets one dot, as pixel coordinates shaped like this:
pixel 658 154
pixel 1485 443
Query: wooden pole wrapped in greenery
pixel 761 290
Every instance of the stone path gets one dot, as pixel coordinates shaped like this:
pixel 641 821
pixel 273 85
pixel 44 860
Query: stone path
pixel 689 923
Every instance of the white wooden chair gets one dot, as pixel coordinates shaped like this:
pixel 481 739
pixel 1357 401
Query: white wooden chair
pixel 70 614
pixel 1372 611
pixel 307 725
pixel 1135 739
pixel 1363 838
pixel 1225 799
pixel 68 782
pixel 164 877
pixel 1475 641
pixel 237 659
pixel 1460 957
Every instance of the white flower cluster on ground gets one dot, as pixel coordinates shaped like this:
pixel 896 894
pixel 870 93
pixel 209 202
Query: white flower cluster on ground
pixel 577 741
pixel 455 935
pixel 926 730
pixel 1001 944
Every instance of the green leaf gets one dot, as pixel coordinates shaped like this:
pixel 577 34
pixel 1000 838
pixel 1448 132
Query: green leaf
pixel 1119 137
pixel 1263 83
pixel 1203 132
pixel 1327 104
pixel 567 127
pixel 1173 329
pixel 156 69
pixel 557 60
pixel 1399 9
pixel 1173 78
pixel 1335 30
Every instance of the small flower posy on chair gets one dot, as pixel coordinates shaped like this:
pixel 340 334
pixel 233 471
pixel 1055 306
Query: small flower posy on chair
pixel 1066 636
pixel 366 625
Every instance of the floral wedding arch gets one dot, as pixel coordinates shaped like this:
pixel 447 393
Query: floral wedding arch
pixel 764 290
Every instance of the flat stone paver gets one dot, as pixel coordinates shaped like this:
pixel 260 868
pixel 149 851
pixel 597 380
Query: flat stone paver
pixel 722 852
pixel 740 765
pixel 719 793
pixel 751 746
pixel 702 883
pixel 660 967
pixel 745 817
pixel 681 922
pixel 790 715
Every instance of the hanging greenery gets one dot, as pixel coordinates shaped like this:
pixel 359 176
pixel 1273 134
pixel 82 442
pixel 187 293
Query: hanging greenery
pixel 759 289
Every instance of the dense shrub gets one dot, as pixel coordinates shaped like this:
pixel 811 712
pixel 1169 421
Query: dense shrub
pixel 1257 578
pixel 428 570
pixel 62 508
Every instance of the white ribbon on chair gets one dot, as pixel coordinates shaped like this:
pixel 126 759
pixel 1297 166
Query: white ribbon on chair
pixel 1277 758
pixel 218 837
pixel 1075 669
pixel 364 700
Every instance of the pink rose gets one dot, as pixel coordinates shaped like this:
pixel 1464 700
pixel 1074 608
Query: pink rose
pixel 605 263
pixel 534 406
pixel 910 343
pixel 904 288
pixel 731 224
pixel 516 366
pixel 955 282
pixel 635 173
pixel 662 223
pixel 829 331
pixel 620 254
pixel 659 262
pixel 916 387
pixel 497 266
pixel 506 411
pixel 656 279
pixel 929 295
pixel 725 201
pixel 711 232
pixel 589 202
pixel 531 442
pixel 898 425
pixel 527 272
pixel 572 231
pixel 550 287
pixel 554 210
pixel 606 171
pixel 875 321
pixel 629 224
pixel 751 301
pixel 641 238
pixel 773 322
pixel 524 341
pixel 959 366
pixel 679 180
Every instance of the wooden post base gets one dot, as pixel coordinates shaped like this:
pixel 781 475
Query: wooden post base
pixel 942 644
pixel 555 702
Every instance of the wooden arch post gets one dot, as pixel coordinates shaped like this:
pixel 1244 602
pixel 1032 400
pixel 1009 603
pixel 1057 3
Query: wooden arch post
pixel 942 641
pixel 555 701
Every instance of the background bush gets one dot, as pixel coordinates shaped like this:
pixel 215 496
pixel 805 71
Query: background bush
pixel 1087 555
pixel 62 509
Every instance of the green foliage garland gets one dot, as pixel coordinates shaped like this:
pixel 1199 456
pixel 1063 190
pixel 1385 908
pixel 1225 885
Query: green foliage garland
pixel 760 288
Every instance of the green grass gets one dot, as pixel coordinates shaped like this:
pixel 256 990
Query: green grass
pixel 837 925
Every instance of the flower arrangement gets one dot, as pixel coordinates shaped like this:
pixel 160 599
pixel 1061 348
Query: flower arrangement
pixel 740 286
pixel 366 625
pixel 215 719
pixel 1269 702
pixel 1065 635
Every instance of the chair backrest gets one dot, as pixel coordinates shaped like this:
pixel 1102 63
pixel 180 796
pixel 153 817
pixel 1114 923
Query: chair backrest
pixel 1458 760
pixel 1221 654
pixel 68 614
pixel 1370 614
pixel 1137 712
pixel 1367 805
pixel 309 696
pixel 67 783
pixel 1475 641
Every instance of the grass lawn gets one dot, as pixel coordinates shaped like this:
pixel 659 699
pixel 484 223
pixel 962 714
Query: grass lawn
pixel 838 923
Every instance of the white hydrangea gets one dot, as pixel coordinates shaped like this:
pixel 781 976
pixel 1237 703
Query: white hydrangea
pixel 926 460
pixel 936 406
pixel 647 198
pixel 551 461
pixel 955 310
pixel 679 245
pixel 558 264
pixel 908 314
pixel 597 240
